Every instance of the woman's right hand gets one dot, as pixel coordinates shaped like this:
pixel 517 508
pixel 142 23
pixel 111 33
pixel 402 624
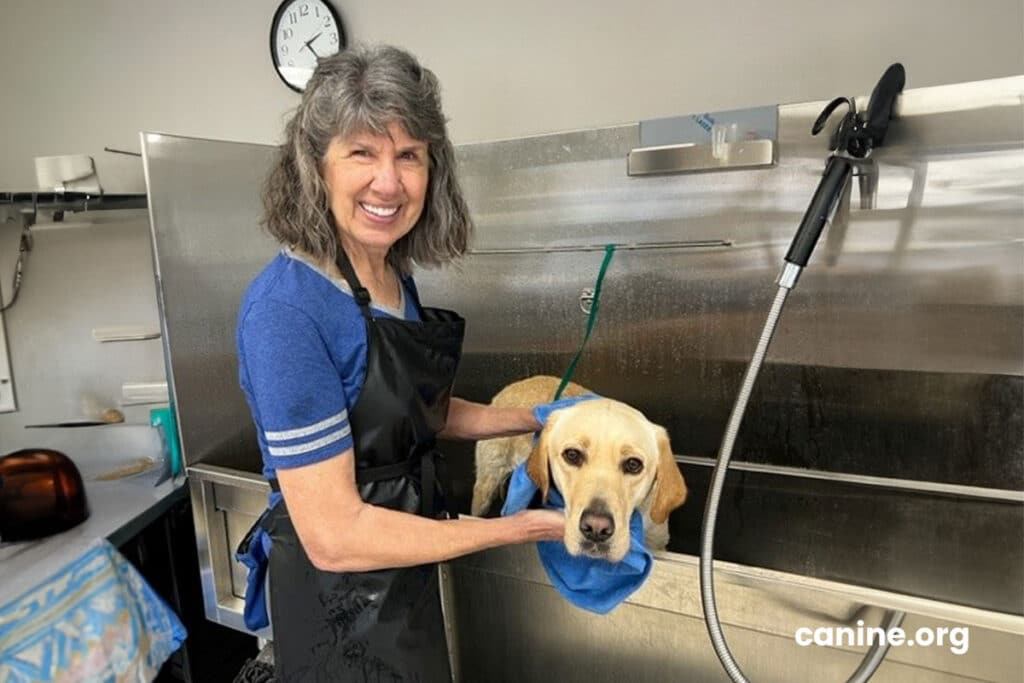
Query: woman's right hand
pixel 541 525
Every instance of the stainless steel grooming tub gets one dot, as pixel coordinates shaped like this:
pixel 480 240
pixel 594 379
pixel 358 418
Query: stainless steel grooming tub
pixel 881 463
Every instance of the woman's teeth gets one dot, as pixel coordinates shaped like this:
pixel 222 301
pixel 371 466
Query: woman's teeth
pixel 382 211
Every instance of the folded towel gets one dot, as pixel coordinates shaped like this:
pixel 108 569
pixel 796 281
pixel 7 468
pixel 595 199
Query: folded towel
pixel 590 583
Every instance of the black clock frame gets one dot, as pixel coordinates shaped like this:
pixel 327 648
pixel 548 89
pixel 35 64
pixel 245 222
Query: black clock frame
pixel 342 38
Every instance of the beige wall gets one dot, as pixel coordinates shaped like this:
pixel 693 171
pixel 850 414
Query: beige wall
pixel 79 75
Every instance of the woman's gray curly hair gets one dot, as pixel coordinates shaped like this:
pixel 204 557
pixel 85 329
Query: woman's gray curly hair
pixel 366 89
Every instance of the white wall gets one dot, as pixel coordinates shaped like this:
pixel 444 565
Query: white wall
pixel 91 271
pixel 79 75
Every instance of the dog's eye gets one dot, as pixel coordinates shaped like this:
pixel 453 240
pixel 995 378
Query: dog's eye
pixel 632 465
pixel 573 456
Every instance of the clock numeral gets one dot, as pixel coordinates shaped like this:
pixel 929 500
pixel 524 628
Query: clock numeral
pixel 317 10
pixel 284 49
pixel 334 38
pixel 304 10
pixel 327 22
pixel 293 18
pixel 287 33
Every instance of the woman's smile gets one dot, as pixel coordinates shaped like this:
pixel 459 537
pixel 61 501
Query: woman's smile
pixel 380 212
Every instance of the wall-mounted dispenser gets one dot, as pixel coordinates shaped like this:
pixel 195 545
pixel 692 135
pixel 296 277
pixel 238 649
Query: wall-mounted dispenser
pixel 711 141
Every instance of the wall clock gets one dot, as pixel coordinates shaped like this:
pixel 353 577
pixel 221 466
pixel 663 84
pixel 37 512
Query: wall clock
pixel 302 32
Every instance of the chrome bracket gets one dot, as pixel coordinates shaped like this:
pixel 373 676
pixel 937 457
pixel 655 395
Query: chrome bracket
pixel 587 300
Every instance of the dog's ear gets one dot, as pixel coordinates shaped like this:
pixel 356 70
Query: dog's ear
pixel 669 487
pixel 537 462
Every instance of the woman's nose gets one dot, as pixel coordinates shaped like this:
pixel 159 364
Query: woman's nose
pixel 386 179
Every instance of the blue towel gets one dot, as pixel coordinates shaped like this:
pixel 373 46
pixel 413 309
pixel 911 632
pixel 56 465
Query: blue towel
pixel 590 583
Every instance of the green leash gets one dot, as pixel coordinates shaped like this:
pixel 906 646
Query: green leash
pixel 609 250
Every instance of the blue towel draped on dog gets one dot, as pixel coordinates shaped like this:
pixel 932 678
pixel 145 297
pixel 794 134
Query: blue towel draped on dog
pixel 590 583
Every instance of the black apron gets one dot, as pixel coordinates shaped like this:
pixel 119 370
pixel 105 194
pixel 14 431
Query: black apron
pixel 381 625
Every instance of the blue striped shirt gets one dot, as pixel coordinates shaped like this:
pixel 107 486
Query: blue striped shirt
pixel 302 360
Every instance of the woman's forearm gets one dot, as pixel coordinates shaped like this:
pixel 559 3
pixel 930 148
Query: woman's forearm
pixel 341 532
pixel 473 421
pixel 379 538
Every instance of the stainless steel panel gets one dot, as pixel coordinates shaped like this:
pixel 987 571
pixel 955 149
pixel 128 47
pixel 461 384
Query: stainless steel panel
pixel 207 243
pixel 899 356
pixel 691 158
pixel 955 548
pixel 239 509
pixel 513 626
pixel 898 360
pixel 225 503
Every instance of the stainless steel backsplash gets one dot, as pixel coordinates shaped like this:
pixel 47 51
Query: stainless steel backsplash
pixel 884 444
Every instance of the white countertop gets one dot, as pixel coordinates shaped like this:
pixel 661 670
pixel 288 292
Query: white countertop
pixel 116 509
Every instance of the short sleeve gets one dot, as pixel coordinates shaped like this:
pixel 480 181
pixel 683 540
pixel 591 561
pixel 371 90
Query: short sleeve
pixel 294 389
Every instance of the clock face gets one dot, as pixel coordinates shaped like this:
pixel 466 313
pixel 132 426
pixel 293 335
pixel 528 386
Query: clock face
pixel 302 32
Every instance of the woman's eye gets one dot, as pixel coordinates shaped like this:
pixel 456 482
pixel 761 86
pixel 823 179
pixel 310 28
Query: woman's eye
pixel 409 156
pixel 573 456
pixel 632 465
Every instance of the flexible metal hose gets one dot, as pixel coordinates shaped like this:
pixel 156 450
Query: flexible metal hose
pixel 873 658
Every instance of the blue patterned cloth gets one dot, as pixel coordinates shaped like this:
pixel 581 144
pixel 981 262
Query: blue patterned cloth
pixel 95 620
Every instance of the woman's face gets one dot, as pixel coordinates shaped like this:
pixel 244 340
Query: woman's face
pixel 376 186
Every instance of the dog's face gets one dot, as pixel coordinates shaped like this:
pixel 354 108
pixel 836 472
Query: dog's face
pixel 606 459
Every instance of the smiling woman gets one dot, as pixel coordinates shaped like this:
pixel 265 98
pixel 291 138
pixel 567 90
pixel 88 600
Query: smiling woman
pixel 349 380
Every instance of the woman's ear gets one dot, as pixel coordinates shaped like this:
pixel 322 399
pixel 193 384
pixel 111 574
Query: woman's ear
pixel 669 487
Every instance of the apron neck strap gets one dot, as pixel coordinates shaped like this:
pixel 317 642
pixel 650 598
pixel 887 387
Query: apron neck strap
pixel 360 293
pixel 410 287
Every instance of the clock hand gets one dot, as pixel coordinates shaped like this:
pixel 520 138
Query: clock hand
pixel 307 44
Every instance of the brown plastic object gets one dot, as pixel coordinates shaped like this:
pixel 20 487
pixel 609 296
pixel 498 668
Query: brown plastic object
pixel 41 493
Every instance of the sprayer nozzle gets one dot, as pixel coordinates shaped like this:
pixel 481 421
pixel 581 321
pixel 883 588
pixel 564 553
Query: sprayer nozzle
pixel 821 209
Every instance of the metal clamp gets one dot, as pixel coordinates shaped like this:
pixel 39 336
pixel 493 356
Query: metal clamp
pixel 587 300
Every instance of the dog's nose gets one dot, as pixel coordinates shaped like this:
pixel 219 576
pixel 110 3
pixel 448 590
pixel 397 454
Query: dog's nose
pixel 596 524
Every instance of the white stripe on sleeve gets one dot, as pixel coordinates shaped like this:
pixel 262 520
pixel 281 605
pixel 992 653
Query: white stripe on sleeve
pixel 278 451
pixel 306 431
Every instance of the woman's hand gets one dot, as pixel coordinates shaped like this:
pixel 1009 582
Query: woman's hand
pixel 541 525
pixel 542 412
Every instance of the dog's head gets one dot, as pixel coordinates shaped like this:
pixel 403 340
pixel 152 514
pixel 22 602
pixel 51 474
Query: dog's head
pixel 606 458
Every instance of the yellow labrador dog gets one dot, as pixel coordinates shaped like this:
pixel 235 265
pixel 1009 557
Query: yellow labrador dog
pixel 606 459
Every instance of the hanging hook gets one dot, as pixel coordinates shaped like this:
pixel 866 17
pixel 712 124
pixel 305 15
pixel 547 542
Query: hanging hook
pixel 822 119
